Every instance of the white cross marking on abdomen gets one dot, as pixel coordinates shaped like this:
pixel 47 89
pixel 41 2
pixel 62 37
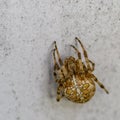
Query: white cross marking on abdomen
pixel 74 80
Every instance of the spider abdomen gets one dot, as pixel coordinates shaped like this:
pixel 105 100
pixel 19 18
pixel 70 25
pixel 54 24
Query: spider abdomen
pixel 79 90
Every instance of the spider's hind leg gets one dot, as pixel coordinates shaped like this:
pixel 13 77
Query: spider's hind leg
pixel 100 84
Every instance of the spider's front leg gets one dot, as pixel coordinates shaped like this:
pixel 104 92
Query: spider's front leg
pixel 85 53
pixel 59 58
pixel 92 66
pixel 79 61
pixel 56 68
pixel 86 57
pixel 56 65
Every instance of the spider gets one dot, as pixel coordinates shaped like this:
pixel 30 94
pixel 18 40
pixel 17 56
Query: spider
pixel 75 79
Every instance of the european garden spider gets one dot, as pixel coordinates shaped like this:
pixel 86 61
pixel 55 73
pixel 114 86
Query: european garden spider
pixel 75 79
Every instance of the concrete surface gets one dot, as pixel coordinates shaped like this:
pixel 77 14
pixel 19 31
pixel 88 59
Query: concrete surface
pixel 27 31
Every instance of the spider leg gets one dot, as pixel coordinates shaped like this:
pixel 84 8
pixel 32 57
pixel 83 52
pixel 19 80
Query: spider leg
pixel 56 67
pixel 100 84
pixel 84 67
pixel 85 54
pixel 93 65
pixel 79 54
pixel 59 95
pixel 79 60
pixel 59 58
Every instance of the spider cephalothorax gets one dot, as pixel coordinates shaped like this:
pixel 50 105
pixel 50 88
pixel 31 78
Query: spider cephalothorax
pixel 75 79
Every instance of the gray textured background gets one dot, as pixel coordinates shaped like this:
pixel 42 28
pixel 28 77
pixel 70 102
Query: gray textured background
pixel 27 31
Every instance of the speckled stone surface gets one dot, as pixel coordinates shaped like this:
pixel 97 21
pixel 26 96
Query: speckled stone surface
pixel 27 31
